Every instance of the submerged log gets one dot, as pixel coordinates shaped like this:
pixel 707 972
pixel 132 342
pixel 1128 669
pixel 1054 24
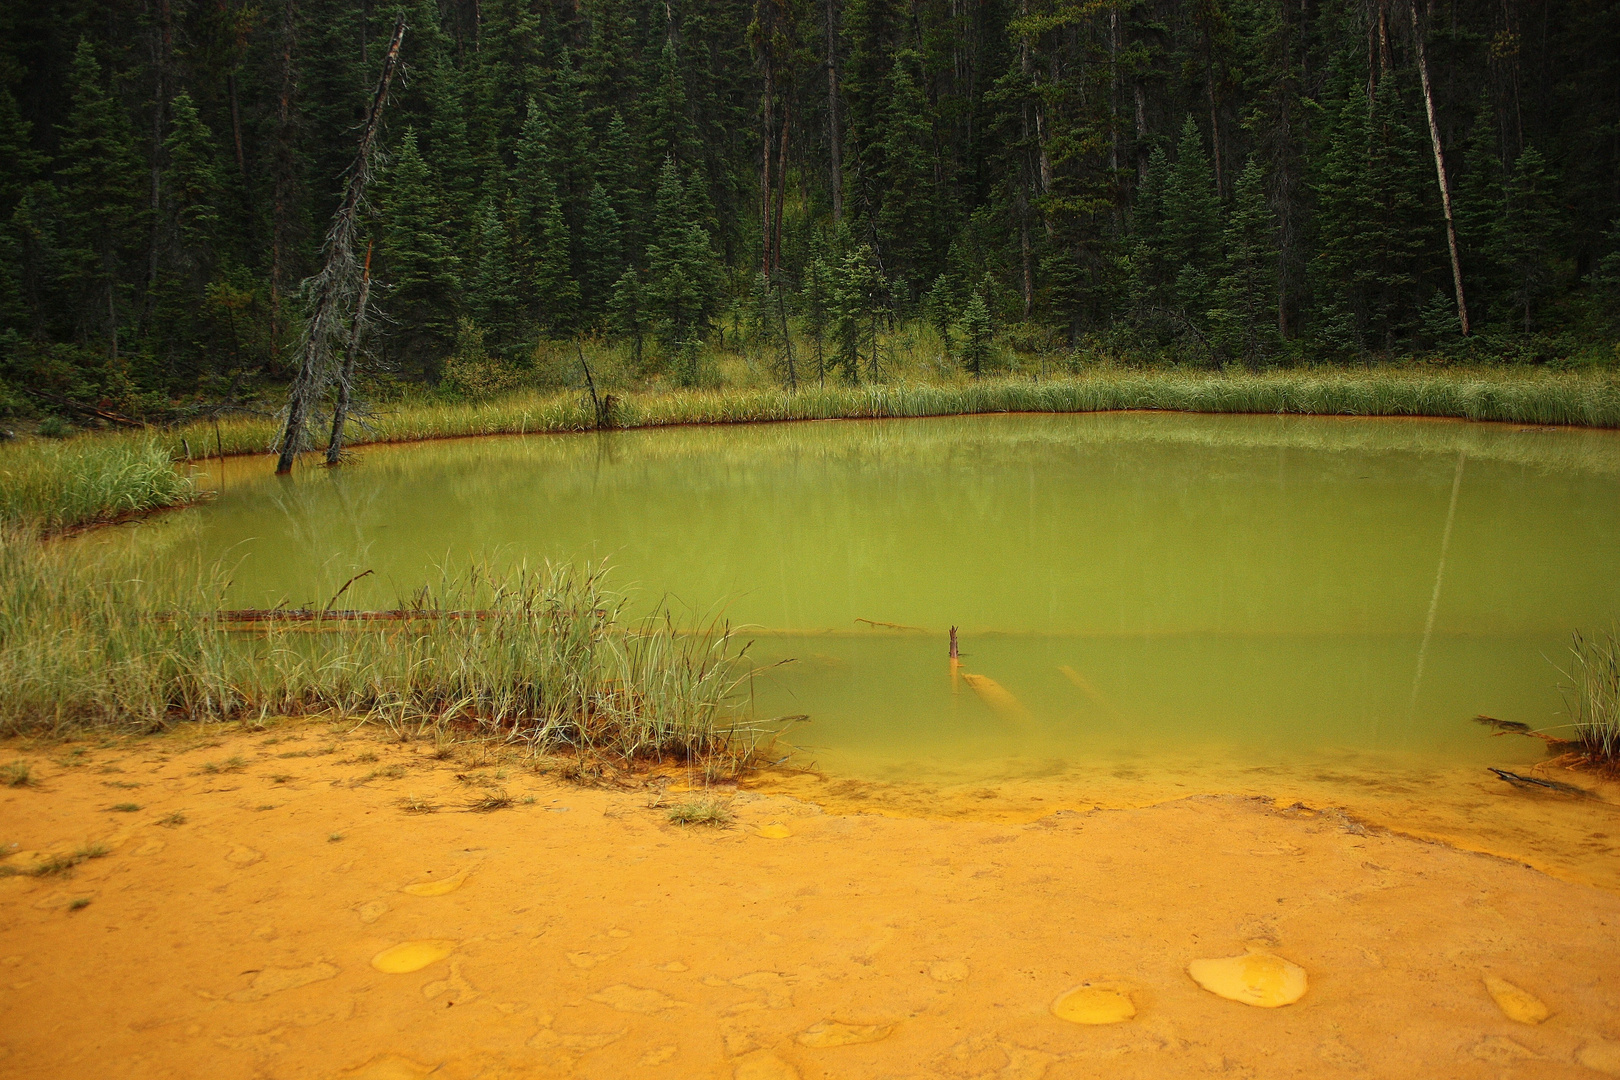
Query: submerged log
pixel 1521 781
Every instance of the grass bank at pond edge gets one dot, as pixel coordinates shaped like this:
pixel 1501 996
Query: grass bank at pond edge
pixel 50 486
pixel 551 661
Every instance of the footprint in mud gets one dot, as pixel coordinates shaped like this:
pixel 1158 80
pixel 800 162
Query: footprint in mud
pixel 437 888
pixel 764 1065
pixel 371 911
pixel 635 999
pixel 1094 1004
pixel 948 971
pixel 571 1042
pixel 832 1033
pixel 391 1067
pixel 409 956
pixel 460 990
pixel 274 980
pixel 774 831
pixel 1516 1004
pixel 1256 978
pixel 242 856
pixel 1600 1055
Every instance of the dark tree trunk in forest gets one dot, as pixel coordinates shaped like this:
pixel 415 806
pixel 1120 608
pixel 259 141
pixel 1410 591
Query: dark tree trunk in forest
pixel 332 288
pixel 162 46
pixel 282 178
pixel 1439 166
pixel 835 139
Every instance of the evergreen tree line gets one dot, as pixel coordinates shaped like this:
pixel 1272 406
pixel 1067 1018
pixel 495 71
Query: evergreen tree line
pixel 1211 181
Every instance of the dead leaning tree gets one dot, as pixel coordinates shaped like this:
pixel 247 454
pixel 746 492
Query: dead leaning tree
pixel 332 292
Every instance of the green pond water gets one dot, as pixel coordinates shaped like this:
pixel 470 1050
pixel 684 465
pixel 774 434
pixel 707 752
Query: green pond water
pixel 1250 590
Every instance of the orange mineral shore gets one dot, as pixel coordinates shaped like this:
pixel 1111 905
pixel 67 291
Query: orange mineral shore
pixel 313 902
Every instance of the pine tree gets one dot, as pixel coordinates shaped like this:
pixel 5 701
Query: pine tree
pixel 192 182
pixel 19 162
pixel 1244 316
pixel 1478 211
pixel 1402 238
pixel 1528 233
pixel 102 215
pixel 422 268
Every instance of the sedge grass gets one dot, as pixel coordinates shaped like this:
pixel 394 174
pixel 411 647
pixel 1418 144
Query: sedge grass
pixel 554 662
pixel 1592 693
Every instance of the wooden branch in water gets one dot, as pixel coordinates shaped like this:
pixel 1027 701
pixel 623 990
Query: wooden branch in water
pixel 1518 780
pixel 876 624
pixel 1514 727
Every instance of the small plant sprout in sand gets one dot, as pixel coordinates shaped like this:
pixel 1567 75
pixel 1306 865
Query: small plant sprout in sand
pixel 496 799
pixel 17 774
pixel 171 820
pixel 124 808
pixel 705 811
pixel 80 904
pixel 413 805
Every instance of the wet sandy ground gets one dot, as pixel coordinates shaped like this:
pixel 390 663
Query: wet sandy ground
pixel 231 929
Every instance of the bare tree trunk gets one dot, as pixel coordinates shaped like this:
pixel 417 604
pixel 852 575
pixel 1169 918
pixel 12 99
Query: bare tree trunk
pixel 345 385
pixel 767 111
pixel 236 126
pixel 787 341
pixel 781 192
pixel 835 140
pixel 1439 167
pixel 331 290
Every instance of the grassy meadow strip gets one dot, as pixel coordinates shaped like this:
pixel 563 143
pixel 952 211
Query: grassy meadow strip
pixel 554 663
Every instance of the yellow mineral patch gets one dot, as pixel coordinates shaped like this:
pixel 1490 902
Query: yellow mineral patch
pixel 1255 978
pixel 1600 1055
pixel 436 888
pixel 832 1033
pixel 996 696
pixel 1088 1004
pixel 775 831
pixel 1516 1004
pixel 411 956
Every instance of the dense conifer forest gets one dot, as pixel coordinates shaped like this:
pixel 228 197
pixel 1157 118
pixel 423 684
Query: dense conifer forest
pixel 1200 182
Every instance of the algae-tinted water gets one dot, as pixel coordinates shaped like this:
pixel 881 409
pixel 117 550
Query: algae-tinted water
pixel 1141 585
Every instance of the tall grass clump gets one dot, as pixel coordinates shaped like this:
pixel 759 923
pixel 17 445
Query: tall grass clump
pixel 546 656
pixel 46 485
pixel 1592 693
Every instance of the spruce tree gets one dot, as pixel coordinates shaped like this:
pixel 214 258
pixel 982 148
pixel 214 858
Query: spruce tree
pixel 548 272
pixel 494 289
pixel 683 277
pixel 939 309
pixel 1528 233
pixel 627 310
pixel 1243 319
pixel 975 330
pixel 672 133
pixel 422 268
pixel 908 221
pixel 19 162
pixel 857 288
pixel 1402 238
pixel 602 249
pixel 1192 223
pixel 1479 210
pixel 102 211
pixel 815 297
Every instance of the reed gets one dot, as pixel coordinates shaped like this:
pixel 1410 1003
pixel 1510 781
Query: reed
pixel 554 663
pixel 47 485
pixel 1592 693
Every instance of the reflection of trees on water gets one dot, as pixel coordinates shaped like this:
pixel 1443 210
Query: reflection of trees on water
pixel 325 513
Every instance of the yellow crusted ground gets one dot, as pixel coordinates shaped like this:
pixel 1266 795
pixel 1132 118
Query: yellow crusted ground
pixel 271 910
